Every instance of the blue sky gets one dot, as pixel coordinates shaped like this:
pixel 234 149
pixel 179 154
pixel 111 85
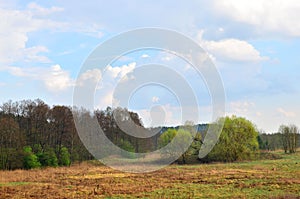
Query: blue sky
pixel 255 46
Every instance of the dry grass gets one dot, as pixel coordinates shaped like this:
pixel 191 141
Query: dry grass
pixel 258 179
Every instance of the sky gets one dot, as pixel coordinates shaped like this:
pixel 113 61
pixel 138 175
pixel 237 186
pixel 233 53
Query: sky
pixel 254 45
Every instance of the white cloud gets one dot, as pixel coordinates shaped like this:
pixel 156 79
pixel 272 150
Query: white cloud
pixel 93 29
pixel 285 112
pixel 110 78
pixel 32 54
pixel 240 107
pixel 162 115
pixel 231 50
pixel 93 75
pixel 167 58
pixel 155 99
pixel 267 16
pixel 14 29
pixel 221 29
pixel 54 78
pixel 170 115
pixel 119 72
pixel 145 56
pixel 41 11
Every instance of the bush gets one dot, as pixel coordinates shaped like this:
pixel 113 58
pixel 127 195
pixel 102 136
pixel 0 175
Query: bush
pixel 30 159
pixel 48 158
pixel 128 147
pixel 64 157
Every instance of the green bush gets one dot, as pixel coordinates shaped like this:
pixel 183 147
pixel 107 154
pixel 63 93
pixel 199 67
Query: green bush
pixel 48 157
pixel 30 159
pixel 129 149
pixel 64 157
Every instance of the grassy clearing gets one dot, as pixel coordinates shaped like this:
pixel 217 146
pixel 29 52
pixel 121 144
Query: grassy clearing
pixel 278 178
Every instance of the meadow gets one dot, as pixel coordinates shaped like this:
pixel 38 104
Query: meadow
pixel 273 178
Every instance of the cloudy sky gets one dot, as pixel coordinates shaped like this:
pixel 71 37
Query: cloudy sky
pixel 254 44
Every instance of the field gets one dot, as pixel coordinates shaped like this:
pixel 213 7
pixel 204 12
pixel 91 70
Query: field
pixel 277 178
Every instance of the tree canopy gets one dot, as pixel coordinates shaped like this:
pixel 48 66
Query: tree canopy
pixel 238 141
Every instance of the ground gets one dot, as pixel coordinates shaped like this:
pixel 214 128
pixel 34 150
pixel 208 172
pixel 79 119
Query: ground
pixel 278 178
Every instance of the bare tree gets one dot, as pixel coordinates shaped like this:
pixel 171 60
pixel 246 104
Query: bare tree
pixel 289 137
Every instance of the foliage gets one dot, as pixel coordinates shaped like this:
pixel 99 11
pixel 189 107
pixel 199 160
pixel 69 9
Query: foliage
pixel 48 157
pixel 47 130
pixel 52 135
pixel 64 157
pixel 183 143
pixel 238 141
pixel 167 137
pixel 128 147
pixel 30 159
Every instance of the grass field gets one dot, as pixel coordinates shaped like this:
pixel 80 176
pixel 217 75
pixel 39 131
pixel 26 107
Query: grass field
pixel 278 178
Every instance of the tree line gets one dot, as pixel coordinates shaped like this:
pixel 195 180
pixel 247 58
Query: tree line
pixel 33 134
pixel 287 138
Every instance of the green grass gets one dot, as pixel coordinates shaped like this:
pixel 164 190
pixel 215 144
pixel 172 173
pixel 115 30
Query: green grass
pixel 278 178
pixel 13 184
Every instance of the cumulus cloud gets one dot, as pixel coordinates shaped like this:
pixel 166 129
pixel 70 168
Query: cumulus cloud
pixel 93 75
pixel 119 72
pixel 14 30
pixel 54 78
pixel 266 16
pixel 110 78
pixel 227 50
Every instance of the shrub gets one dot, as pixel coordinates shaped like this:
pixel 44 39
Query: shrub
pixel 30 159
pixel 48 157
pixel 64 157
pixel 128 147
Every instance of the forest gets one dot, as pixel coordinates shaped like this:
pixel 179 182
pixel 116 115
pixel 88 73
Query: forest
pixel 34 135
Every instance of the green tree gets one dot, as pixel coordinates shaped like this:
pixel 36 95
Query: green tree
pixel 30 159
pixel 180 144
pixel 238 141
pixel 64 157
pixel 48 157
pixel 166 137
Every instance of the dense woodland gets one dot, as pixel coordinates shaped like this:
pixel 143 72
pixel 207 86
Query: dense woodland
pixel 44 136
pixel 33 134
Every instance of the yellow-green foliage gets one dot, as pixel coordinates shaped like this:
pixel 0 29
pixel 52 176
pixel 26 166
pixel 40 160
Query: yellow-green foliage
pixel 238 141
